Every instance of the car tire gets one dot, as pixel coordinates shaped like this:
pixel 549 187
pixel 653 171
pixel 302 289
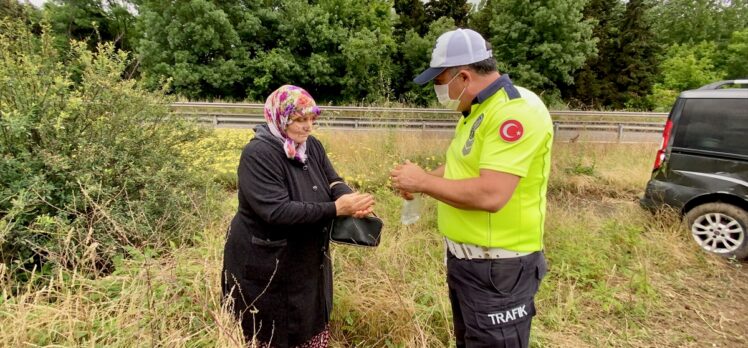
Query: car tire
pixel 720 228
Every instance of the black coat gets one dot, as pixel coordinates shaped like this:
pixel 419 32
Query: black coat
pixel 276 263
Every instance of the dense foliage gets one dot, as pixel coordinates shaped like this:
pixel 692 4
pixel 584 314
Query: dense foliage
pixel 607 54
pixel 90 163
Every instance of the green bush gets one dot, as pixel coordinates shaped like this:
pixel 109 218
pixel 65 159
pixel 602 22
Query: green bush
pixel 685 67
pixel 691 66
pixel 90 162
pixel 737 59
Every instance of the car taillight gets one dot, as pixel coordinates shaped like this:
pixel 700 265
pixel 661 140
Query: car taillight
pixel 665 138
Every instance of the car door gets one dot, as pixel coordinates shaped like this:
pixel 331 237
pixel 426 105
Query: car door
pixel 709 152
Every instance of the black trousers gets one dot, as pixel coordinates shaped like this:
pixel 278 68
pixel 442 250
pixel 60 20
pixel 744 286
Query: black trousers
pixel 493 300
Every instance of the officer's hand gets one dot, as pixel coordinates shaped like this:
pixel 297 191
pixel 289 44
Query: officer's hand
pixel 407 177
pixel 407 195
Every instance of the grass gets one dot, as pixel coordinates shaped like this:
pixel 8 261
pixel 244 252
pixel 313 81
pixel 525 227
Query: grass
pixel 618 275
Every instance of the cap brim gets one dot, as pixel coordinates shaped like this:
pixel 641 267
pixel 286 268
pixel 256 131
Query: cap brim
pixel 428 75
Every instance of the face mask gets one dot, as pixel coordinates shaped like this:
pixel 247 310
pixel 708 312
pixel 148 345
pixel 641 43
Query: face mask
pixel 442 94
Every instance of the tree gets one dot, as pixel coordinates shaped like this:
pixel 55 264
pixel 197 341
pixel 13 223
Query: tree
pixel 416 56
pixel 694 21
pixel 14 9
pixel 540 43
pixel 194 44
pixel 412 15
pixel 624 71
pixel 339 50
pixel 593 86
pixel 92 21
pixel 685 67
pixel 637 57
pixel 457 10
pixel 737 61
pixel 361 46
pixel 690 66
pixel 480 19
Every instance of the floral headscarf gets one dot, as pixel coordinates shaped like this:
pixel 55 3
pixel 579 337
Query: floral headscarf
pixel 280 105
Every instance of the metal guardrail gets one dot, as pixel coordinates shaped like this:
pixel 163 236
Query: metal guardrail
pixel 245 115
pixel 426 111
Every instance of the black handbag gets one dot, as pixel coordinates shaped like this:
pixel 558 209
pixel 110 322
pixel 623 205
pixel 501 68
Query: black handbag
pixel 353 231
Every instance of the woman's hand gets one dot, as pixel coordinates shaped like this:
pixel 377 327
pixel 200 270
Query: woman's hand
pixel 363 213
pixel 354 203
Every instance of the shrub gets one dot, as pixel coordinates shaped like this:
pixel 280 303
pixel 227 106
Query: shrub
pixel 90 162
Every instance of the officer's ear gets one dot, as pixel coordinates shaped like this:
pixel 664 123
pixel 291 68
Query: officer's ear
pixel 467 75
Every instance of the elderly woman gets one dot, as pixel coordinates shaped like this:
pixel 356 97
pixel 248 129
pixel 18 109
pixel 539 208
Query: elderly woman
pixel 276 267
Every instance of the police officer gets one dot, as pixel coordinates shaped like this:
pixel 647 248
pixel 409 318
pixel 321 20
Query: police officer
pixel 491 192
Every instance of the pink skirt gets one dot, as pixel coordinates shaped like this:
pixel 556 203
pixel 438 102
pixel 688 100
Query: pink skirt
pixel 321 340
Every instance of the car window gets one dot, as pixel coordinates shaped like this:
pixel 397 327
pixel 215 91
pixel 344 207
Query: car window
pixel 719 125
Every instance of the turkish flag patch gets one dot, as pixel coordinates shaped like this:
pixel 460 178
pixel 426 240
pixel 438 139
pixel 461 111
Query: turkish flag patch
pixel 511 131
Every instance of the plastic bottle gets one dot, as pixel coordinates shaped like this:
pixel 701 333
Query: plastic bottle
pixel 411 211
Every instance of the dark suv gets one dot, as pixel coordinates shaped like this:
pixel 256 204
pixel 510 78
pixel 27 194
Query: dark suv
pixel 701 168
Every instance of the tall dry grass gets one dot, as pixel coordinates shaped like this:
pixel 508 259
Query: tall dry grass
pixel 171 301
pixel 618 276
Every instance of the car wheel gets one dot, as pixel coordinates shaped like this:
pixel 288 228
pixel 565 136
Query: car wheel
pixel 720 228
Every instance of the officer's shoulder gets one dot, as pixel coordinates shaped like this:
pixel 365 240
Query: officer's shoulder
pixel 527 99
pixel 513 107
pixel 528 103
pixel 527 109
pixel 529 96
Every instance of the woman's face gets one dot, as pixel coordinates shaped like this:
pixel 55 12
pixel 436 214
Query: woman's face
pixel 299 127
